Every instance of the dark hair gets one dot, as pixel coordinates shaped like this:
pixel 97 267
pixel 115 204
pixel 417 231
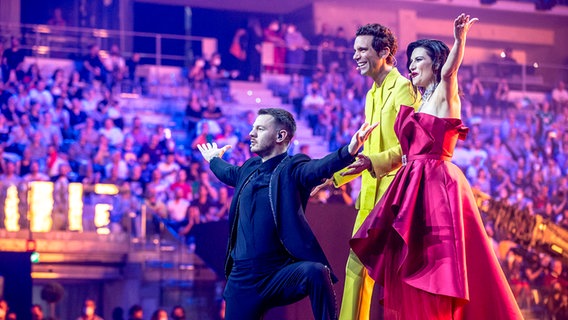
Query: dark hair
pixel 135 308
pixel 437 51
pixel 283 118
pixel 382 38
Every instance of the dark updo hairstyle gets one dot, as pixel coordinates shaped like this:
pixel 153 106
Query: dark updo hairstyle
pixel 437 51
pixel 382 38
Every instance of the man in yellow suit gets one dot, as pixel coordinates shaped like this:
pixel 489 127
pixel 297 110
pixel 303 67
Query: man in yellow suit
pixel 375 47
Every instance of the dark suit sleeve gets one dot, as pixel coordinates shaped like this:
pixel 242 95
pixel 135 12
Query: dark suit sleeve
pixel 310 173
pixel 225 172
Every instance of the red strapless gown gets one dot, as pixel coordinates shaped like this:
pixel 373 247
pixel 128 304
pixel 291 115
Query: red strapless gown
pixel 424 242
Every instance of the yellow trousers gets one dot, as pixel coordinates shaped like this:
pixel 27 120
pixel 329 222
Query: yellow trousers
pixel 357 292
pixel 358 289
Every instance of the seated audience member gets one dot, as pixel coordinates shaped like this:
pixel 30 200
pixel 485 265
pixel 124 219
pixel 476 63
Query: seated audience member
pixel 117 163
pixel 113 133
pixel 182 184
pixel 35 174
pixel 138 132
pixel 156 212
pixel 93 67
pixel 177 210
pixel 169 168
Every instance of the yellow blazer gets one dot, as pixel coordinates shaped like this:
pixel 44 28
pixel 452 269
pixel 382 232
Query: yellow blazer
pixel 382 105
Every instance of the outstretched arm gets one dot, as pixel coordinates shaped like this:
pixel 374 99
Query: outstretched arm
pixel 210 150
pixel 226 173
pixel 450 69
pixel 461 27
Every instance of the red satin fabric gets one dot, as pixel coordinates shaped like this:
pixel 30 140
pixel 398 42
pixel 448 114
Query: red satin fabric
pixel 425 241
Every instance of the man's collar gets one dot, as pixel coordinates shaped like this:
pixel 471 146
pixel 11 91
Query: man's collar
pixel 271 164
pixel 393 74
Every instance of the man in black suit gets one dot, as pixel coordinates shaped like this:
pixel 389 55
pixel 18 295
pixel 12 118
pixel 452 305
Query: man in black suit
pixel 273 257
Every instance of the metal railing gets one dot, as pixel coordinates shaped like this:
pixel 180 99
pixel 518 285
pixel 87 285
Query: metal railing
pixel 72 42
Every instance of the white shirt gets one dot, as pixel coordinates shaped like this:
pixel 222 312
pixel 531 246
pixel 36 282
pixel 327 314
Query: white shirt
pixel 177 209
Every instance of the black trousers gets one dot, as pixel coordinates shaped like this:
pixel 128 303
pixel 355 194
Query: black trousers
pixel 254 287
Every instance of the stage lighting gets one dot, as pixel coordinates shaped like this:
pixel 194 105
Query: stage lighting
pixel 487 1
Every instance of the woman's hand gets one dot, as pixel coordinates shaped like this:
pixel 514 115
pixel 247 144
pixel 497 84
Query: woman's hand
pixel 461 26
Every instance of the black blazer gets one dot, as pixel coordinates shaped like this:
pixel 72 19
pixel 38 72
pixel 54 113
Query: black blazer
pixel 289 190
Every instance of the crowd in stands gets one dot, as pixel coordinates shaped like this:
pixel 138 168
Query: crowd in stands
pixel 67 128
pixel 70 128
pixel 89 312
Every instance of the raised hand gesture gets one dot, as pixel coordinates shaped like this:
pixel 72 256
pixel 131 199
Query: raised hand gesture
pixel 210 150
pixel 461 26
pixel 360 137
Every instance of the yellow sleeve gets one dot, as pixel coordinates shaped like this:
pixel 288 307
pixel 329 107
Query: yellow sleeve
pixel 390 159
pixel 339 180
pixel 386 161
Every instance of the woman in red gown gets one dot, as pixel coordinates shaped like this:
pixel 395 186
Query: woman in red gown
pixel 425 242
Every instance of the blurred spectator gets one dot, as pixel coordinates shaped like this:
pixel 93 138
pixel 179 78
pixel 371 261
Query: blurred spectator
pixel 76 85
pixel 502 96
pixel 178 313
pixel 296 93
pixel 112 133
pixel 35 174
pixel 50 133
pixel 204 137
pixel 343 48
pixel 197 71
pixel 478 96
pixel 136 312
pixel 221 211
pixel 559 97
pixel 117 163
pixel 116 64
pixel 138 132
pixel 93 67
pixel 273 34
pixel 61 198
pixel 88 311
pixel 169 168
pixel 37 312
pixel 153 149
pixel 238 52
pixel 156 211
pixel 253 49
pixel 545 116
pixel 117 313
pixel 205 202
pixel 296 46
pixel 178 210
pixel 193 114
pixel 12 61
pixel 159 314
pixel 131 69
pixel 9 111
pixel 312 105
pixel 228 136
pixel 33 75
pixel 212 111
pixel 326 43
pixel 57 18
